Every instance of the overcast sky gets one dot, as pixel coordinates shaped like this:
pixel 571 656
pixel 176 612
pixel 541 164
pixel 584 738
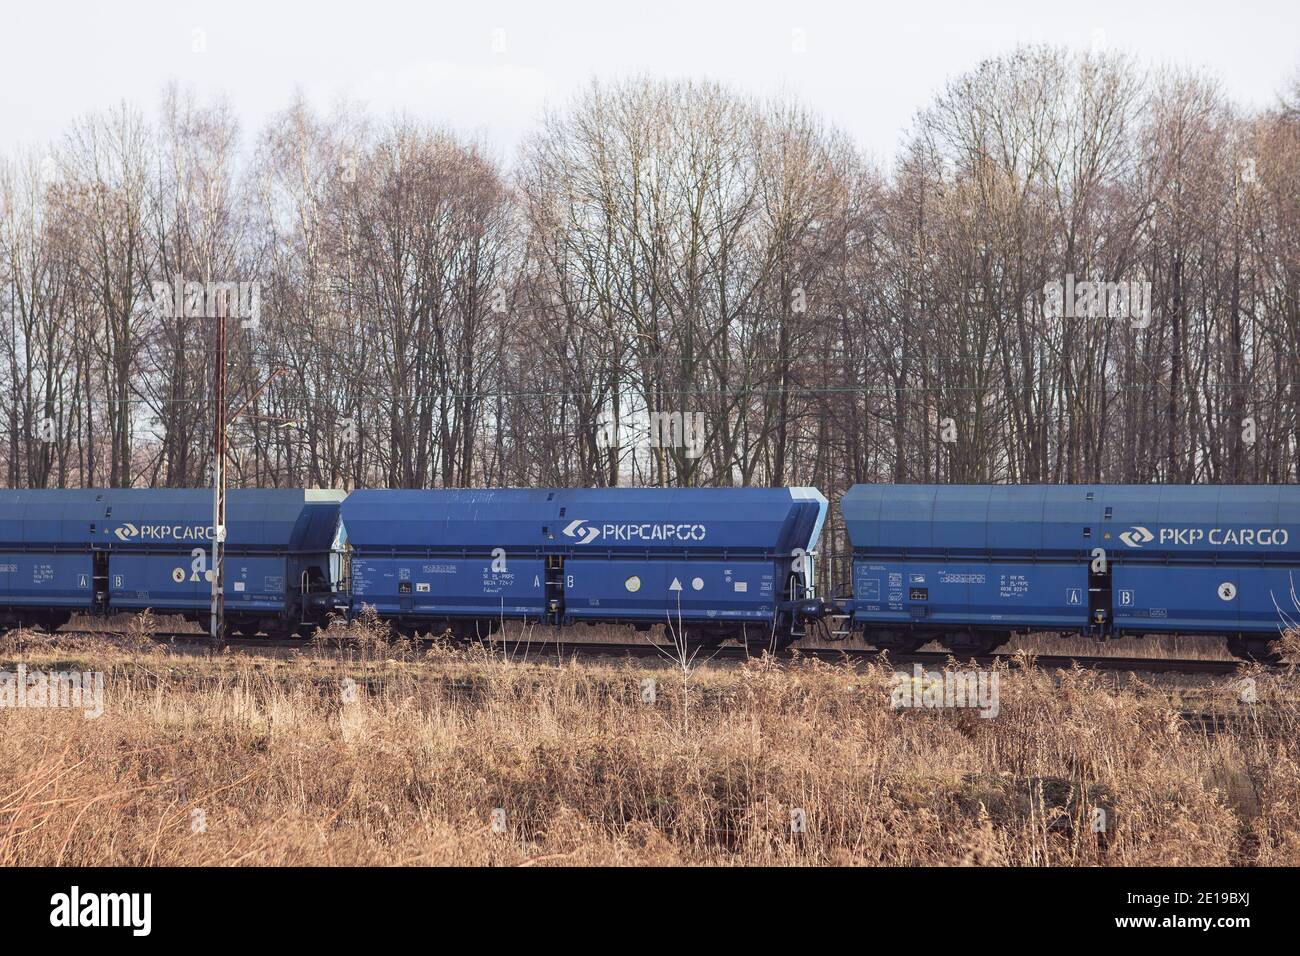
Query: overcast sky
pixel 489 67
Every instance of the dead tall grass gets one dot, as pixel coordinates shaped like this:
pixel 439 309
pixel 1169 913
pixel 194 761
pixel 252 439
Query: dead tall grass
pixel 370 753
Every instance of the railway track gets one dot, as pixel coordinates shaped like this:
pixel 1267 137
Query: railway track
pixel 1240 724
pixel 937 658
pixel 1251 721
pixel 533 650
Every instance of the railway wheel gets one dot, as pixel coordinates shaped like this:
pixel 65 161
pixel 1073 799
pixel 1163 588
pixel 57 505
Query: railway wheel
pixel 455 629
pixel 1261 650
pixel 974 643
pixel 472 629
pixel 695 639
pixel 760 640
pixel 286 631
pixel 895 642
pixel 48 621
pixel 413 631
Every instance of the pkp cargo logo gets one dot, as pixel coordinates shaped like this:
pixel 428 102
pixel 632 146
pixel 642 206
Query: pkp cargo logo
pixel 162 532
pixel 1136 536
pixel 584 535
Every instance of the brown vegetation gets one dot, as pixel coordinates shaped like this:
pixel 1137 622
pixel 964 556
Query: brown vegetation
pixel 373 753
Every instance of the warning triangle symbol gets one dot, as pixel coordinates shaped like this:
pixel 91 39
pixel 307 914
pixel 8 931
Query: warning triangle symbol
pixel 675 586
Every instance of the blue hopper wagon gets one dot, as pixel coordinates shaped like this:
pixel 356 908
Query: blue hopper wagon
pixel 710 564
pixel 968 565
pixel 47 568
pixel 109 550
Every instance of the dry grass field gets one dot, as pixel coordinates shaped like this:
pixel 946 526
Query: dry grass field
pixel 358 751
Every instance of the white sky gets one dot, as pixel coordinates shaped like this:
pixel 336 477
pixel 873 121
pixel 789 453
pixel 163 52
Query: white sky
pixel 867 67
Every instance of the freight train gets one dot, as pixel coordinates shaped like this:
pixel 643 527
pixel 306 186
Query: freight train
pixel 713 564
pixel 967 566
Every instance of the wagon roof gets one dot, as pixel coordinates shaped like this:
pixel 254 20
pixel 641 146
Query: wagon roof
pixel 736 520
pixel 1047 519
pixel 167 518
